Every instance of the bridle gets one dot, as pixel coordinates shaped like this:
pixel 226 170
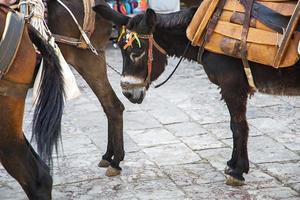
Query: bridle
pixel 133 36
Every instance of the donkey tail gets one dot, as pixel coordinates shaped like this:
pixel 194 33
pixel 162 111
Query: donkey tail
pixel 47 117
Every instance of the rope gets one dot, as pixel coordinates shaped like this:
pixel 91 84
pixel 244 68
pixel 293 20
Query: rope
pixel 37 10
pixel 114 69
pixel 184 53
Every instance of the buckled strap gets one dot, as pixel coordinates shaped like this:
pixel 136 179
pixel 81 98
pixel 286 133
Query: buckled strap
pixel 12 89
pixel 243 47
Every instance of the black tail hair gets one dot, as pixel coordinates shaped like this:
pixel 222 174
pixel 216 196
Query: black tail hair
pixel 47 117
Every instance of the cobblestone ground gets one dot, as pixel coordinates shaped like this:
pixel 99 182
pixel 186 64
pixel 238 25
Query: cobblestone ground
pixel 177 143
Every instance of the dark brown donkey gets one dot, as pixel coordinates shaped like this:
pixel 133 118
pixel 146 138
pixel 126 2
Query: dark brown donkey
pixel 162 35
pixel 93 69
pixel 16 154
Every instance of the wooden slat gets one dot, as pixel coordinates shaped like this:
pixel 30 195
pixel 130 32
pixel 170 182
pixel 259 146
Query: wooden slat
pixel 263 54
pixel 208 14
pixel 197 19
pixel 226 16
pixel 254 36
pixel 283 8
pixel 287 35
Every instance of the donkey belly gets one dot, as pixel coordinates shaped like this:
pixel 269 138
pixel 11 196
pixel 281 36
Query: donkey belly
pixel 284 81
pixel 228 72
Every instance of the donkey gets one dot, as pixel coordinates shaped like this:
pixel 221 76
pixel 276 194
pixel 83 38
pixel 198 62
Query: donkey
pixel 16 154
pixel 92 68
pixel 165 35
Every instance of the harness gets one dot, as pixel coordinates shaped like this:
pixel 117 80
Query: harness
pixel 133 36
pixel 9 46
pixel 12 36
pixel 86 30
pixel 10 41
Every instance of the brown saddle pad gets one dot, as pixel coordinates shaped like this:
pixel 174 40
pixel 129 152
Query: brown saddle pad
pixel 262 42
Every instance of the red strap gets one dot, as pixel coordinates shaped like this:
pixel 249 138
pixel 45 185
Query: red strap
pixel 150 59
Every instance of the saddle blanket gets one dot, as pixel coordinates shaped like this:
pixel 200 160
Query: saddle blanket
pixel 268 22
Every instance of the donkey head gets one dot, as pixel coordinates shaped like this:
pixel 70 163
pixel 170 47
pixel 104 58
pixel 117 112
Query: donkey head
pixel 143 59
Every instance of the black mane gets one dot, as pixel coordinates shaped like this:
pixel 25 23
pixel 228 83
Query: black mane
pixel 176 20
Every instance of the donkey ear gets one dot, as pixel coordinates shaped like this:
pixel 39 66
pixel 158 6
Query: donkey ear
pixel 150 18
pixel 103 9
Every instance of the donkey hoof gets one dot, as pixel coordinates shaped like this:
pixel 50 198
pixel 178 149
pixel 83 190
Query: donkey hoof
pixel 112 171
pixel 104 163
pixel 230 180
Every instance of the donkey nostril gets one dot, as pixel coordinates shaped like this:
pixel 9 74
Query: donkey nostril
pixel 128 95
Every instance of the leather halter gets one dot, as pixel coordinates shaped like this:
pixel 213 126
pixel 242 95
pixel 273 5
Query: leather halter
pixel 151 43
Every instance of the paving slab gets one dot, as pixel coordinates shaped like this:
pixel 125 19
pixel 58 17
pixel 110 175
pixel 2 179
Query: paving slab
pixel 177 144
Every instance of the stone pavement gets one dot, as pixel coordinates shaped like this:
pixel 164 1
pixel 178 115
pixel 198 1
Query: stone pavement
pixel 177 143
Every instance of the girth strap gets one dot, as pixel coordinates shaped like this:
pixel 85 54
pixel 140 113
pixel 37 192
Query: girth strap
pixel 10 41
pixel 18 90
pixel 243 47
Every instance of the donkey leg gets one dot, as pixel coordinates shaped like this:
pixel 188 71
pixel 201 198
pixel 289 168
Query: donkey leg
pixel 239 163
pixel 22 163
pixel 94 73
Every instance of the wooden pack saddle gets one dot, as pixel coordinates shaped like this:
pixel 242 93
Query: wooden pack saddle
pixel 88 27
pixel 267 31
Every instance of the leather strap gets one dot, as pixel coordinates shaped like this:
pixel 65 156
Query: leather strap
pixel 243 47
pixel 24 8
pixel 66 40
pixel 214 20
pixel 12 89
pixel 270 18
pixel 210 29
pixel 10 40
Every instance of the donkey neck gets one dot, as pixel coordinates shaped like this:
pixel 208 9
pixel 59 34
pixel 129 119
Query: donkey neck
pixel 175 44
pixel 170 33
